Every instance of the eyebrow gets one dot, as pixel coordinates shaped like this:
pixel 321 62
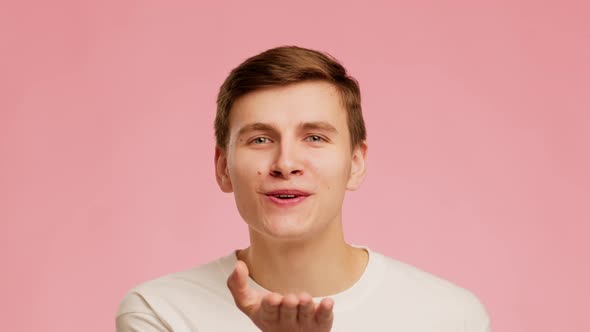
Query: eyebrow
pixel 259 126
pixel 319 125
pixel 256 126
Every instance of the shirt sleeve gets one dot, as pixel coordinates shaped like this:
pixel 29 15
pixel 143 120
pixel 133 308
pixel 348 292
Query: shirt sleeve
pixel 477 319
pixel 135 315
pixel 139 322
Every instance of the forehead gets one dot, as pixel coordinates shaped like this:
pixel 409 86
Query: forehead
pixel 290 105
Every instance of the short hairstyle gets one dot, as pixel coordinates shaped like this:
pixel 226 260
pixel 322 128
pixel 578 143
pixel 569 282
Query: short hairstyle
pixel 282 66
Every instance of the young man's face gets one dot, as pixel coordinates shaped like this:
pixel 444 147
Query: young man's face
pixel 289 160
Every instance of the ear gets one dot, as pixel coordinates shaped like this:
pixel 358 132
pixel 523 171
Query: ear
pixel 358 168
pixel 221 173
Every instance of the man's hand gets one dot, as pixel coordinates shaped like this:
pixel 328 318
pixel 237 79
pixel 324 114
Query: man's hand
pixel 272 312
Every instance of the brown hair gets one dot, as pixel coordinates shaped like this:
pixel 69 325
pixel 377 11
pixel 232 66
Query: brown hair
pixel 285 65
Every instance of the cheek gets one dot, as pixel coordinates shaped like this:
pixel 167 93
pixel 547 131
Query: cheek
pixel 331 171
pixel 246 175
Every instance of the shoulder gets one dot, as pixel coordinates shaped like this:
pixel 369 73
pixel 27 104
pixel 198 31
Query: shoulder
pixel 435 294
pixel 204 281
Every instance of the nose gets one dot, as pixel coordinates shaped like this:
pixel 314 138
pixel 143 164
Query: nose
pixel 287 162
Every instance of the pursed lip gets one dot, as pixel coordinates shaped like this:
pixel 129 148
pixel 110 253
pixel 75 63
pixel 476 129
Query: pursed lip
pixel 278 199
pixel 295 192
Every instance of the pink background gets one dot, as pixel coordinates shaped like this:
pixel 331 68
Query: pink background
pixel 478 124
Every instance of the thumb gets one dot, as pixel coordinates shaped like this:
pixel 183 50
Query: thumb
pixel 246 298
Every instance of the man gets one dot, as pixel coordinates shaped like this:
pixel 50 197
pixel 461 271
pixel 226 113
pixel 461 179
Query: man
pixel 290 141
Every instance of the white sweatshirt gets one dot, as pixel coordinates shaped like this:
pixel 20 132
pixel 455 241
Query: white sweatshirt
pixel 389 296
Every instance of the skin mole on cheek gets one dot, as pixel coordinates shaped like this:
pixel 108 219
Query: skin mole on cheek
pixel 258 172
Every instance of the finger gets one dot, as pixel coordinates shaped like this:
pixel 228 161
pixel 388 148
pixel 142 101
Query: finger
pixel 246 299
pixel 269 310
pixel 305 310
pixel 288 311
pixel 324 313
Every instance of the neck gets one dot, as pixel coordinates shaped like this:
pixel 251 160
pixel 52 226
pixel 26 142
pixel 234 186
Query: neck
pixel 321 266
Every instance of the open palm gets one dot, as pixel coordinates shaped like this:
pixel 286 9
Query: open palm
pixel 273 312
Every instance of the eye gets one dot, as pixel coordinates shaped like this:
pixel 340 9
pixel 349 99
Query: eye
pixel 315 138
pixel 260 140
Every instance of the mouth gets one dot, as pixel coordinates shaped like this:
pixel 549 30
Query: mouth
pixel 287 197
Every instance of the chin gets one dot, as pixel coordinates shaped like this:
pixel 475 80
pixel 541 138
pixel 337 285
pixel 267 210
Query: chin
pixel 285 228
